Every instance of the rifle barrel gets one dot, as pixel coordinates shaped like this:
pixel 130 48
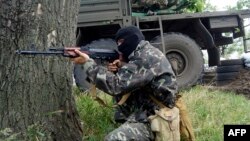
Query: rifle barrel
pixel 28 52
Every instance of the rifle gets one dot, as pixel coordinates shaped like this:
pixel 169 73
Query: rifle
pixel 101 54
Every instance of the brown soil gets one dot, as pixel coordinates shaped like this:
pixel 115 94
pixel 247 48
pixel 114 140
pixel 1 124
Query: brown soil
pixel 241 85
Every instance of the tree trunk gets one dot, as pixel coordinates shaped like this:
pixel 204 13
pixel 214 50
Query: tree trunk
pixel 36 101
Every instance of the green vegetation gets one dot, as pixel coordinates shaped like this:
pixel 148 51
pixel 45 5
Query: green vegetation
pixel 208 109
pixel 192 5
pixel 211 109
pixel 189 6
pixel 97 120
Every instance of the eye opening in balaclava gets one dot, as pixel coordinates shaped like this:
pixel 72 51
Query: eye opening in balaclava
pixel 132 37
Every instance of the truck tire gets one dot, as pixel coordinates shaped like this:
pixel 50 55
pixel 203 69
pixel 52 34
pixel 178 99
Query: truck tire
pixel 79 75
pixel 231 62
pixel 223 83
pixel 228 71
pixel 232 68
pixel 185 57
pixel 226 76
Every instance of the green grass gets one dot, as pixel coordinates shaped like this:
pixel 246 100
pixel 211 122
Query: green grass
pixel 209 110
pixel 97 120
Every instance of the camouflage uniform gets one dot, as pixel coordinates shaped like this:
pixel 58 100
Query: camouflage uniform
pixel 148 72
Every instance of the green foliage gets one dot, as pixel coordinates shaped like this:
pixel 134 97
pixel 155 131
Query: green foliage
pixel 191 5
pixel 8 135
pixel 243 4
pixel 208 109
pixel 211 109
pixel 97 120
pixel 34 132
pixel 209 7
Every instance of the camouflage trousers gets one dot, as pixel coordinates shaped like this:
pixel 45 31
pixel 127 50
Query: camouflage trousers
pixel 131 131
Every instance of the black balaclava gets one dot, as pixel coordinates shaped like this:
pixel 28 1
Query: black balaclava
pixel 132 37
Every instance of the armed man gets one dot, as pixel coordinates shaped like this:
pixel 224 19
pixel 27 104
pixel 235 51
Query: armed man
pixel 145 77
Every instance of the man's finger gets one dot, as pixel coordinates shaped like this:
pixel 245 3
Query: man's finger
pixel 79 52
pixel 82 54
pixel 116 61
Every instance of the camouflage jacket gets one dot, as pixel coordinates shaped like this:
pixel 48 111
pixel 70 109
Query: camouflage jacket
pixel 147 73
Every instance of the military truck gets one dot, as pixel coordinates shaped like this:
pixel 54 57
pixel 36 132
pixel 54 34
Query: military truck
pixel 180 36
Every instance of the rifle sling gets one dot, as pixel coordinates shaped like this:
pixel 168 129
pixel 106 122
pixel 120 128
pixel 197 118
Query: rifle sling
pixel 100 101
pixel 96 98
pixel 122 101
pixel 157 101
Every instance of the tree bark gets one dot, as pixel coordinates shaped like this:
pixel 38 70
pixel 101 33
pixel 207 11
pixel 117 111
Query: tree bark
pixel 36 91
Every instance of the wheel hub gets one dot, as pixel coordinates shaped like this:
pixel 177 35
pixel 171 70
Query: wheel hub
pixel 177 62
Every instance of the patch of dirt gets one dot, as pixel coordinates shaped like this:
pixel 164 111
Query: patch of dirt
pixel 241 85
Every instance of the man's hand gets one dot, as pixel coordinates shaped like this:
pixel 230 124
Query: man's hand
pixel 82 57
pixel 114 66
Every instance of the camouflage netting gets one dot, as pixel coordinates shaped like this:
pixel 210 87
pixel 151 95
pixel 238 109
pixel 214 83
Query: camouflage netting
pixel 241 85
pixel 171 6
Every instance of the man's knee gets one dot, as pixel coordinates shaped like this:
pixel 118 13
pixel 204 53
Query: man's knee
pixel 116 136
pixel 129 132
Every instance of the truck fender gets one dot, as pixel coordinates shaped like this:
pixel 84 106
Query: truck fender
pixel 212 50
